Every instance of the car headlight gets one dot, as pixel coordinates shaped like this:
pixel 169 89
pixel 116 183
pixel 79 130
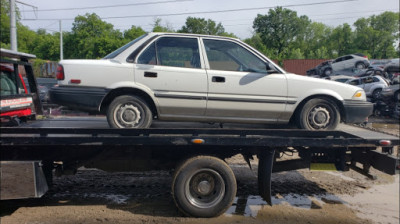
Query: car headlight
pixel 359 95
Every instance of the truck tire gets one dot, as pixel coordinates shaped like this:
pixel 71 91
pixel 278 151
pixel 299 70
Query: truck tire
pixel 318 114
pixel 129 112
pixel 204 186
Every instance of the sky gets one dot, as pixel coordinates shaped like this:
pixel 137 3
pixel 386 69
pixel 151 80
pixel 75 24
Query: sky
pixel 235 15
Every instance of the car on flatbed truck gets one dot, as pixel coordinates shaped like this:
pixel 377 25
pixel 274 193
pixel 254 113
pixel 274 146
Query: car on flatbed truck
pixel 190 77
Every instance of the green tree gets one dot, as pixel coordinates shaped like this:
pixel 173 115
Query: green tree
pixel 5 24
pixel 377 34
pixel 341 40
pixel 133 33
pixel 46 46
pixel 202 26
pixel 92 38
pixel 158 27
pixel 316 41
pixel 280 29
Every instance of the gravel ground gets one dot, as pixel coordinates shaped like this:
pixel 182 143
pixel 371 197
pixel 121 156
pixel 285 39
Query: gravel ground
pixel 301 196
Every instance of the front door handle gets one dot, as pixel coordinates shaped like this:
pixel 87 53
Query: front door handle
pixel 150 74
pixel 218 79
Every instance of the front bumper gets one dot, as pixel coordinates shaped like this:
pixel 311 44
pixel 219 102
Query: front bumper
pixel 79 98
pixel 357 111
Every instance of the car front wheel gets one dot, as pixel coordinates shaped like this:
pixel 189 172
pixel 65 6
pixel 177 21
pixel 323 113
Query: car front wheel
pixel 328 72
pixel 318 114
pixel 129 112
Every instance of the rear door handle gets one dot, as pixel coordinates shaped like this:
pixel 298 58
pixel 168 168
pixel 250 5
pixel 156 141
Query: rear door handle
pixel 150 74
pixel 218 79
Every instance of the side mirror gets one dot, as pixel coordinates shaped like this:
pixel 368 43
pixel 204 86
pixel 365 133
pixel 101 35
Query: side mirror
pixel 270 70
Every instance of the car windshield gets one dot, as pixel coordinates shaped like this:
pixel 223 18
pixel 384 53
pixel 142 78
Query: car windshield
pixel 123 48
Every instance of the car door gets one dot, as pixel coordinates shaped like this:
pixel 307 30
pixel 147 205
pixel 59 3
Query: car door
pixel 239 85
pixel 171 67
pixel 368 83
pixel 348 62
pixel 337 64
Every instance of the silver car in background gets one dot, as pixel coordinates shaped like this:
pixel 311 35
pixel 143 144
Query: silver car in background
pixel 372 85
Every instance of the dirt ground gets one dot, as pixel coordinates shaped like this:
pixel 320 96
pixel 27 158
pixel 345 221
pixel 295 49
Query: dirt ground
pixel 301 196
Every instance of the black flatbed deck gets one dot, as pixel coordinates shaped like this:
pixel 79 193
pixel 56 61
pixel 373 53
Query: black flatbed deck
pixel 95 130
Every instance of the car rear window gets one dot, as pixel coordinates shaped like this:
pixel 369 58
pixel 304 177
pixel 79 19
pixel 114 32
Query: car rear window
pixel 123 48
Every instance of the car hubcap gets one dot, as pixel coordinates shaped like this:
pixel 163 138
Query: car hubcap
pixel 319 117
pixel 360 66
pixel 127 115
pixel 205 188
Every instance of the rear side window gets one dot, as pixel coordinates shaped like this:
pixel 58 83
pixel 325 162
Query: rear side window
pixel 172 51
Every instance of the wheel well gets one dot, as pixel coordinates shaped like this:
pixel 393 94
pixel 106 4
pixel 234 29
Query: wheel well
pixel 128 91
pixel 301 104
pixel 358 62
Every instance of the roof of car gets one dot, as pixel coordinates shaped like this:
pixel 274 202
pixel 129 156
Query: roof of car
pixel 190 34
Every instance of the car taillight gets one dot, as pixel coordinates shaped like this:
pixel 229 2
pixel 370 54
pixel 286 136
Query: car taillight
pixel 60 73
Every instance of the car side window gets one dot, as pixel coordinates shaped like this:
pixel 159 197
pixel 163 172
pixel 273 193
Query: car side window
pixel 354 82
pixel 347 58
pixel 172 51
pixel 229 56
pixel 148 57
pixel 338 60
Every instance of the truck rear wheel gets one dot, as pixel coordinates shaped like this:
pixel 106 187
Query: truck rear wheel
pixel 129 112
pixel 204 186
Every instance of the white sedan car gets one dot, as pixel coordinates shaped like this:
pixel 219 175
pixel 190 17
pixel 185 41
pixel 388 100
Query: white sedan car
pixel 190 77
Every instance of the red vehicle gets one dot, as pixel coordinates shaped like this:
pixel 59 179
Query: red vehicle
pixel 17 104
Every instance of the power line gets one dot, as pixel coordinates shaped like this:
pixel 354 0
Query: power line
pixel 217 11
pixel 110 6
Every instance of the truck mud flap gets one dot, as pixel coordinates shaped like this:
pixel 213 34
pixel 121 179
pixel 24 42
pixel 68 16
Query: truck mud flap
pixel 22 179
pixel 265 164
pixel 384 162
pixel 381 161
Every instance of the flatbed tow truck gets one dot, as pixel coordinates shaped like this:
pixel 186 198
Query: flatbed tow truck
pixel 203 184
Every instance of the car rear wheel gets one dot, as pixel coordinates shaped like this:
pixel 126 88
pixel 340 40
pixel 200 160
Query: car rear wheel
pixel 129 112
pixel 360 65
pixel 318 114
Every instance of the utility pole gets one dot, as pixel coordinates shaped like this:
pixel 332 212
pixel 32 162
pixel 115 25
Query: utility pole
pixel 13 26
pixel 61 42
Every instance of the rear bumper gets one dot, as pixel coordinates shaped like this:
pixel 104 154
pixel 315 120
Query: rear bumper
pixel 357 111
pixel 79 98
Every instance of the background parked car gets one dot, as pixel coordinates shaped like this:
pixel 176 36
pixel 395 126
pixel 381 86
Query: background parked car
pixel 391 93
pixel 44 84
pixel 350 61
pixel 341 78
pixel 318 70
pixel 392 69
pixel 378 63
pixel 372 85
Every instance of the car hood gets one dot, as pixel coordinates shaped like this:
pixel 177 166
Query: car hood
pixel 300 87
